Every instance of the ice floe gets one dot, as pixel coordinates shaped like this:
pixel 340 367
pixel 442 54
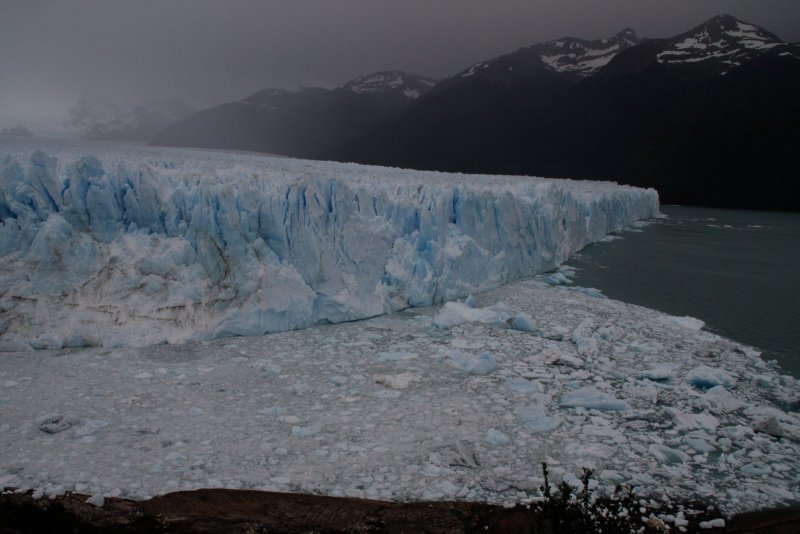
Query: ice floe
pixel 388 408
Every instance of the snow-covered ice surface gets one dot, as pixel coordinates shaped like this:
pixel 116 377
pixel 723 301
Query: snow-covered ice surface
pixel 132 246
pixel 383 408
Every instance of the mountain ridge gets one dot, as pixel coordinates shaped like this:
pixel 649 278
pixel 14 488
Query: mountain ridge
pixel 699 131
pixel 307 122
pixel 690 114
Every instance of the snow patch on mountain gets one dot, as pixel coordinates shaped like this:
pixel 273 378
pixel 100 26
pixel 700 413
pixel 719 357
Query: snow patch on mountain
pixel 571 56
pixel 136 246
pixel 724 39
pixel 582 57
pixel 410 85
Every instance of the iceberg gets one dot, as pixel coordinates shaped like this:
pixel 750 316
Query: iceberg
pixel 592 398
pixel 534 417
pixel 706 378
pixel 131 246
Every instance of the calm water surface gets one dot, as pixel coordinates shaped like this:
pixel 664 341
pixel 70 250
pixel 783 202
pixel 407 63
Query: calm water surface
pixel 739 271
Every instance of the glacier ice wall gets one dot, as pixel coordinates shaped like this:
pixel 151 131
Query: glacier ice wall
pixel 133 246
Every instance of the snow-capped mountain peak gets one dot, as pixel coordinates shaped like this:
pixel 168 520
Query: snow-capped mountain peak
pixel 582 57
pixel 573 57
pixel 724 39
pixel 411 85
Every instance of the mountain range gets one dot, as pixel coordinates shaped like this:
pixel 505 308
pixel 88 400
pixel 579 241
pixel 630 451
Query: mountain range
pixel 309 123
pixel 707 117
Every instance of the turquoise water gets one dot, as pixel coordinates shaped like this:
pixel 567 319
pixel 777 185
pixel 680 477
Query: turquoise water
pixel 739 271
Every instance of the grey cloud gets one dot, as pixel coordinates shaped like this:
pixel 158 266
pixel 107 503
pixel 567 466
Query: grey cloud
pixel 53 52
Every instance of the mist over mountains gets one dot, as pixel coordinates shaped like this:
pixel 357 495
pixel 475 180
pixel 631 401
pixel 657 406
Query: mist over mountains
pixel 707 116
pixel 101 119
pixel 309 123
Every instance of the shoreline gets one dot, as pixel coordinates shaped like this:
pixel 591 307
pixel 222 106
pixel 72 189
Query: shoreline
pixel 209 510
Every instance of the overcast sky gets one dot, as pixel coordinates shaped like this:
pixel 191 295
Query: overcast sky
pixel 52 52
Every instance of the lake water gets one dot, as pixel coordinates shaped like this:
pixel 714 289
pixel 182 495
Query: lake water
pixel 739 271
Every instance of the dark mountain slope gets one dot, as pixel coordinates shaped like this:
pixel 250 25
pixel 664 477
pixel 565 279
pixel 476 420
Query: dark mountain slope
pixel 307 123
pixel 478 119
pixel 707 117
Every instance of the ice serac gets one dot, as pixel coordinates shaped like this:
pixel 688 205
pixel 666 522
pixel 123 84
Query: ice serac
pixel 126 247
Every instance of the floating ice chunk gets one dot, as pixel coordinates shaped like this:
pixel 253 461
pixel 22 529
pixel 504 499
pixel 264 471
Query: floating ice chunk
pixel 175 458
pixel 90 427
pixel 455 313
pixel 642 479
pixel 456 454
pixel 471 364
pixel 770 426
pixel 523 323
pixel 763 412
pixel 592 398
pixel 756 469
pixel 714 523
pixel 305 431
pixel 272 410
pixel 762 380
pixel 609 238
pixel 557 279
pixel 290 419
pixel 522 385
pixel 386 394
pixel 337 380
pixel 611 476
pixel 692 421
pixel 496 437
pixel 535 419
pixel 705 377
pixel 773 427
pixel 736 433
pixel 583 337
pixel 690 323
pixel 56 490
pixel 590 291
pixel 569 360
pixel 398 381
pixel 470 301
pixel 660 373
pixel 58 423
pixel 719 399
pixel 395 356
pixel 699 445
pixel 646 392
pixel 573 481
pixel 47 342
pixel 668 454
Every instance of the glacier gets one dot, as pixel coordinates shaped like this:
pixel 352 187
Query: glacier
pixel 112 245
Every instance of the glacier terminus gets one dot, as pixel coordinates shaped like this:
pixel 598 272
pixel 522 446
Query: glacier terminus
pixel 104 245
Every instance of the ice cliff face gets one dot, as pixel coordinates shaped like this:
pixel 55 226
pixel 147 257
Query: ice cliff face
pixel 141 246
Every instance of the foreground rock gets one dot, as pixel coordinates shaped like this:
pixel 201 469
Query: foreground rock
pixel 228 511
